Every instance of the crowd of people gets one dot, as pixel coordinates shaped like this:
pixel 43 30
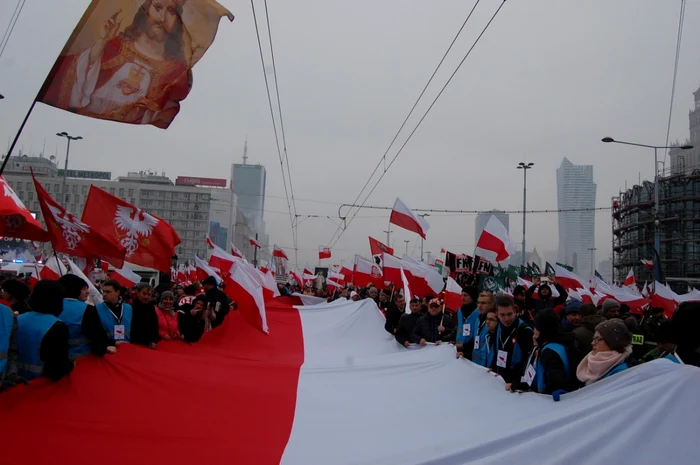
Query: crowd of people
pixel 536 341
pixel 533 340
pixel 44 331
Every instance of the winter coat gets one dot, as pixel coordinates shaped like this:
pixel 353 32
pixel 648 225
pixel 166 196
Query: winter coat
pixel 585 331
pixel 427 328
pixel 405 327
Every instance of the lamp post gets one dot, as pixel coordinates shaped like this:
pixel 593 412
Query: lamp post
pixel 657 229
pixel 65 166
pixel 421 239
pixel 524 166
pixel 388 232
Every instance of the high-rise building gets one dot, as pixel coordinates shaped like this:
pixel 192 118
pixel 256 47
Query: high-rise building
pixel 576 191
pixel 483 218
pixel 248 182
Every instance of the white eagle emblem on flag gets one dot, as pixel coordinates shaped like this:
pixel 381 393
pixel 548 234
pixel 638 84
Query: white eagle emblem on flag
pixel 136 223
pixel 12 222
pixel 71 226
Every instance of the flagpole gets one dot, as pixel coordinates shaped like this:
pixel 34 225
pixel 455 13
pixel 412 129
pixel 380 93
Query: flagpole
pixel 19 133
pixel 58 264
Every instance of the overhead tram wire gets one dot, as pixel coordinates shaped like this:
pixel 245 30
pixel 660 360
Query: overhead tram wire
pixel 284 137
pixel 679 39
pixel 415 104
pixel 476 41
pixel 11 25
pixel 272 115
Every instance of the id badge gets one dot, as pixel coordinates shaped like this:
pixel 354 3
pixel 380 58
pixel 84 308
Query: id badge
pixel 118 332
pixel 529 375
pixel 502 359
pixel 476 342
pixel 466 329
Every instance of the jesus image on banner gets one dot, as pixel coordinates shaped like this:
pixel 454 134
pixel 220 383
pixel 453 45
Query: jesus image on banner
pixel 138 75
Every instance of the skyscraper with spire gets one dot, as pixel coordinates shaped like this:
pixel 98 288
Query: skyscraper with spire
pixel 248 182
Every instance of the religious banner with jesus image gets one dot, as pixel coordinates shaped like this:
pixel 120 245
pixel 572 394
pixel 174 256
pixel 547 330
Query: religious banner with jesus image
pixel 131 60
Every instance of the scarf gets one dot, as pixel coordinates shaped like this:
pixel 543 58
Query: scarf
pixel 594 366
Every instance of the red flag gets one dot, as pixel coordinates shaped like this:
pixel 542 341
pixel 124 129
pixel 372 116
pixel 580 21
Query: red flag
pixel 453 294
pixel 278 252
pixel 567 279
pixel 248 295
pixel 377 248
pixel 53 269
pixel 263 266
pixel 365 272
pixel 125 277
pixel 203 271
pixel 17 221
pixel 70 235
pixel 221 260
pixel 324 252
pixel 255 243
pixel 403 217
pixel 630 280
pixel 664 297
pixel 149 240
pixel 494 241
pixel 210 243
pixel 182 274
pixel 648 263
pixel 392 269
pixel 100 74
pixel 105 266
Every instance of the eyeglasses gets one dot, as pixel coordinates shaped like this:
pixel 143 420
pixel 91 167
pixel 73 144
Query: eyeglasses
pixel 596 340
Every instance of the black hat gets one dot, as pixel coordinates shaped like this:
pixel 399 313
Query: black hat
pixel 47 297
pixel 210 280
pixel 17 289
pixel 73 285
pixel 547 323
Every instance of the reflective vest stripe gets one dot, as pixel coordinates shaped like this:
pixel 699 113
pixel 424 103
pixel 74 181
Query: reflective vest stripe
pixel 31 368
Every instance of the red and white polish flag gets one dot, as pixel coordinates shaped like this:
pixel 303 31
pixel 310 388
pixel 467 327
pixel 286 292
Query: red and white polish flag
pixel 567 279
pixel 365 272
pixel 647 263
pixel 630 280
pixel 494 244
pixel 279 253
pixel 248 295
pixel 324 253
pixel 235 252
pixel 203 271
pixel 453 295
pixel 403 217
pixel 125 277
pixel 255 243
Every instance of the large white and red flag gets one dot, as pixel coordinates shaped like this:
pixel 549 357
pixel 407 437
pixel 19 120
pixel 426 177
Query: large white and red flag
pixel 328 362
pixel 494 244
pixel 15 219
pixel 378 248
pixel 248 295
pixel 391 270
pixel 630 280
pixel 149 241
pixel 220 259
pixel 366 272
pixel 53 268
pixel 403 217
pixel 324 252
pixel 664 297
pixel 71 236
pixel 346 270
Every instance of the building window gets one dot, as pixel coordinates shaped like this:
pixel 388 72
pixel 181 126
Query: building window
pixel 75 188
pixel 30 195
pixel 48 188
pixel 36 206
pixel 84 190
pixel 133 201
pixel 111 190
pixel 121 192
pixel 57 188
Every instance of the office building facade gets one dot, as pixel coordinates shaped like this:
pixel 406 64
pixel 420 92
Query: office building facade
pixel 248 181
pixel 483 218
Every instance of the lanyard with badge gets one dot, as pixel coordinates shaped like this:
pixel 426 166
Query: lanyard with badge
pixel 119 330
pixel 530 371
pixel 502 356
pixel 477 337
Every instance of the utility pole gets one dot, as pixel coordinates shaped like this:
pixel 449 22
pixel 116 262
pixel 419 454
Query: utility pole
pixel 421 239
pixel 388 238
pixel 64 200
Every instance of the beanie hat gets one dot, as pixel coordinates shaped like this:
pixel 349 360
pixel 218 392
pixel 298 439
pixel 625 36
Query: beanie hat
pixel 472 291
pixel 609 304
pixel 72 285
pixel 167 295
pixel 615 333
pixel 573 306
pixel 210 280
pixel 547 323
pixel 16 289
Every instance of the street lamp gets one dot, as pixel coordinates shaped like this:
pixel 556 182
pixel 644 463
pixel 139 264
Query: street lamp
pixel 524 166
pixel 421 239
pixel 657 230
pixel 65 166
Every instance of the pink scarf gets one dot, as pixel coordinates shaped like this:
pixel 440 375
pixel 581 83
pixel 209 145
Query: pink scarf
pixel 594 366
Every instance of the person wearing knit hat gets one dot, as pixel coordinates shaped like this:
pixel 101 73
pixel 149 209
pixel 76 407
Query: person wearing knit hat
pixel 15 294
pixel 611 352
pixel 572 315
pixel 611 309
pixel 86 331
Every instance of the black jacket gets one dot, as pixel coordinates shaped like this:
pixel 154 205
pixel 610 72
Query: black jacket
pixel 405 327
pixel 556 376
pixel 54 352
pixel 522 335
pixel 393 315
pixel 427 328
pixel 144 324
pixel 217 296
pixel 191 326
pixel 91 326
pixel 550 302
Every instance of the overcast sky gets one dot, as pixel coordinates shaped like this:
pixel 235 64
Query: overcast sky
pixel 549 79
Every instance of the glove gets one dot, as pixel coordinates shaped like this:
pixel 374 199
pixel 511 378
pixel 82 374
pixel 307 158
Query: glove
pixel 557 394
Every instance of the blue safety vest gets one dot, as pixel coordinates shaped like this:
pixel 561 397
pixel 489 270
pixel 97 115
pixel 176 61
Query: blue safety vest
pixel 561 352
pixel 621 367
pixel 31 329
pixel 108 320
pixel 483 356
pixel 673 358
pixel 7 321
pixel 72 316
pixel 472 320
pixel 517 355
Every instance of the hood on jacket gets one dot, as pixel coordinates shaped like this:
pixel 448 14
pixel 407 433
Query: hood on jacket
pixel 539 291
pixel 591 321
